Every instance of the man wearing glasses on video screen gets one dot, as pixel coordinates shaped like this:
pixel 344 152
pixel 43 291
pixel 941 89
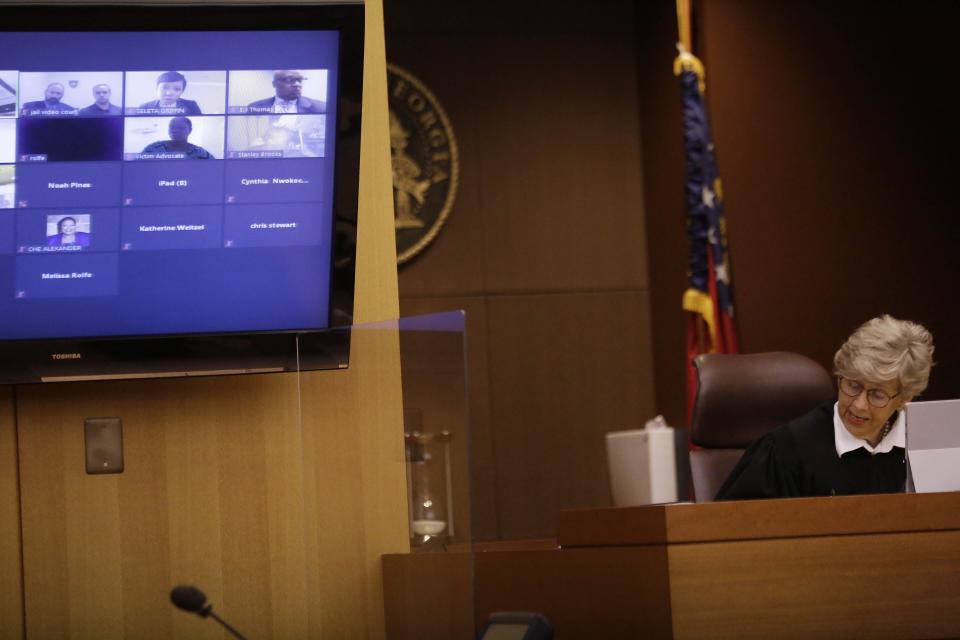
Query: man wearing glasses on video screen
pixel 288 98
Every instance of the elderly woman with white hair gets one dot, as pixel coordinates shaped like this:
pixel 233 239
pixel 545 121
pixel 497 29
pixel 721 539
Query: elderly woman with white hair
pixel 855 445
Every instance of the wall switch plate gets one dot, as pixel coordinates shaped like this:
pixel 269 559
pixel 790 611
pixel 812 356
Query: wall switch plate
pixel 103 441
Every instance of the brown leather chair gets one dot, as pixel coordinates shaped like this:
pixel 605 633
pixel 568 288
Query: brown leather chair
pixel 742 397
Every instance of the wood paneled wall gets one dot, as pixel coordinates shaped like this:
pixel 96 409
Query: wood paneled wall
pixel 11 587
pixel 276 494
pixel 545 248
pixel 211 494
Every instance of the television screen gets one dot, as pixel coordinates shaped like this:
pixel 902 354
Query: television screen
pixel 158 182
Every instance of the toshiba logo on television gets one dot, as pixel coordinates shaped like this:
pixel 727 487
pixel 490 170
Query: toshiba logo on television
pixel 66 356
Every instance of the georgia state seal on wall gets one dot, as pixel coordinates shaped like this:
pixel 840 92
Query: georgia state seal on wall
pixel 423 150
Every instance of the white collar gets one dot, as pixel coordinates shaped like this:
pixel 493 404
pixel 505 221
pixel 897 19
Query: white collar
pixel 847 442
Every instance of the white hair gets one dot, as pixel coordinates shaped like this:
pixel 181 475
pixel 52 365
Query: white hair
pixel 885 349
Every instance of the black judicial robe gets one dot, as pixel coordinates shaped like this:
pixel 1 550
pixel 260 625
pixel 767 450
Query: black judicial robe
pixel 800 459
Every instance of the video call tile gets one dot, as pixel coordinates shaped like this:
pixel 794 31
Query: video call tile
pixel 6 232
pixel 174 138
pixel 70 94
pixel 275 225
pixel 8 140
pixel 8 174
pixel 69 139
pixel 66 276
pixel 163 228
pixel 174 92
pixel 260 181
pixel 173 183
pixel 48 231
pixel 9 81
pixel 74 184
pixel 276 136
pixel 256 91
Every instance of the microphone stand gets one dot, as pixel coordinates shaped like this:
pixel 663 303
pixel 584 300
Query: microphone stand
pixel 208 611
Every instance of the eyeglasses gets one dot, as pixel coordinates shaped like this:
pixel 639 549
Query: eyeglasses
pixel 878 398
pixel 291 79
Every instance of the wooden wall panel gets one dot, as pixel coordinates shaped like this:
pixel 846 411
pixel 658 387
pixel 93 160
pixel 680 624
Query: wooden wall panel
pixel 377 422
pixel 333 487
pixel 551 177
pixel 355 486
pixel 612 592
pixel 100 552
pixel 376 284
pixel 377 416
pixel 549 440
pixel 878 114
pixel 276 494
pixel 11 588
pixel 429 595
pixel 566 212
pixel 712 597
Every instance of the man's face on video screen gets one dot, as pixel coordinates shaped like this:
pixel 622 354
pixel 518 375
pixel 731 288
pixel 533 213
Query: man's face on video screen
pixel 53 93
pixel 169 92
pixel 289 84
pixel 101 94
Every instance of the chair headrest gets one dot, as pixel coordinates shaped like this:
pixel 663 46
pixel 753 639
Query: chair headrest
pixel 742 397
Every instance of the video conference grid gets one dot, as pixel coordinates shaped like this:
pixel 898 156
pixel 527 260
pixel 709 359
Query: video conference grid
pixel 68 178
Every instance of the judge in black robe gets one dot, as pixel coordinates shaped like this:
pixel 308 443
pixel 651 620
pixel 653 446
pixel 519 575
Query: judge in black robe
pixel 800 459
pixel 856 445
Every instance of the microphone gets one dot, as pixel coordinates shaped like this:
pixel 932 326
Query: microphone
pixel 190 599
pixel 193 600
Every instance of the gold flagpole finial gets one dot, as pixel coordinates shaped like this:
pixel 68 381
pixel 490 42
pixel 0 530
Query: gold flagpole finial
pixel 686 61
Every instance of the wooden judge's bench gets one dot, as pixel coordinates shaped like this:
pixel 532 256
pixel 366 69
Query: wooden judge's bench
pixel 878 566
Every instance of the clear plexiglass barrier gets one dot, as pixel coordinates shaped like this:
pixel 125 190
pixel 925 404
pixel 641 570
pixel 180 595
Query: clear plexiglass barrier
pixel 399 411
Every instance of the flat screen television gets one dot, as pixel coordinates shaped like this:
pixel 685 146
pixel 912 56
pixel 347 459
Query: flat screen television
pixel 178 188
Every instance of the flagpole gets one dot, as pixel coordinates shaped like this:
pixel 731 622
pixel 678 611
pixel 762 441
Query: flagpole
pixel 683 25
